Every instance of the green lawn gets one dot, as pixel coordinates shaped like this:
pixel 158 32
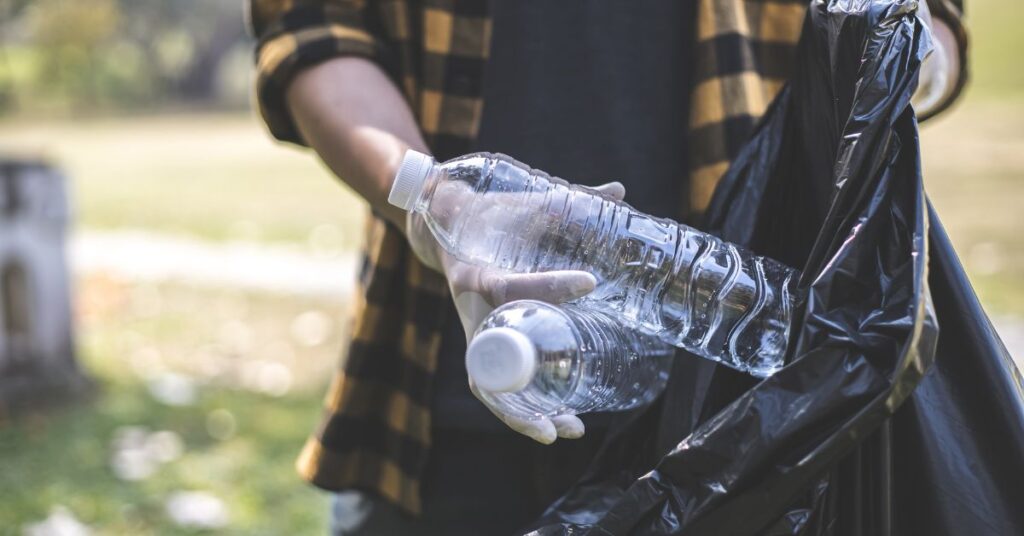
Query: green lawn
pixel 213 176
pixel 974 174
pixel 63 459
pixel 996 42
pixel 227 341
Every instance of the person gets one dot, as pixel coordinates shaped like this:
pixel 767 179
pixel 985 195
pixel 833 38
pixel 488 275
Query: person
pixel 656 96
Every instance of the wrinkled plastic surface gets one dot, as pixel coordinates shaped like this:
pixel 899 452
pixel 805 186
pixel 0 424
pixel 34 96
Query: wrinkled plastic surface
pixel 879 424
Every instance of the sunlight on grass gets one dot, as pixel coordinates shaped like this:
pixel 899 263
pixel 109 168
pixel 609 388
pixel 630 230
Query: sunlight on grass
pixel 62 458
pixel 974 174
pixel 996 45
pixel 213 176
pixel 225 342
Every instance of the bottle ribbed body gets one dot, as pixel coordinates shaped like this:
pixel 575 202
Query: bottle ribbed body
pixel 587 360
pixel 687 288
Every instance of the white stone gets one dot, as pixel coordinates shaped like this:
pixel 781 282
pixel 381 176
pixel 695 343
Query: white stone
pixel 60 522
pixel 173 389
pixel 197 510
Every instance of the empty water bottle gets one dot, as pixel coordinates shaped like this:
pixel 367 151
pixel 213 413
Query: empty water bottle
pixel 688 288
pixel 537 359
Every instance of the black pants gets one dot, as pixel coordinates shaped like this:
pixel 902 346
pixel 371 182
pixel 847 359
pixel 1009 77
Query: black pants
pixel 479 483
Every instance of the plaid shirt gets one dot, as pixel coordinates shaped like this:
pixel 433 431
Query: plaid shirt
pixel 376 431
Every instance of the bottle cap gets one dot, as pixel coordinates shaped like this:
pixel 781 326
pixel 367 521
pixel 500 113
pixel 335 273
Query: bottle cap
pixel 409 179
pixel 501 360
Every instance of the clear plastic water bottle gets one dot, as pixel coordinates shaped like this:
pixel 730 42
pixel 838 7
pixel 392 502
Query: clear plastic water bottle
pixel 545 360
pixel 687 288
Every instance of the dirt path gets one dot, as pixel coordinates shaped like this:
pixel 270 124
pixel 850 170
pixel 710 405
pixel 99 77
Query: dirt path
pixel 142 256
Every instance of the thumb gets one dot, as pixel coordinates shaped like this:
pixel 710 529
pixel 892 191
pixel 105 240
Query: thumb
pixel 540 430
pixel 614 190
pixel 472 309
pixel 556 286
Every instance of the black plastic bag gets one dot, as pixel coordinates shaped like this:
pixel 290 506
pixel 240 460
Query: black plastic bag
pixel 878 425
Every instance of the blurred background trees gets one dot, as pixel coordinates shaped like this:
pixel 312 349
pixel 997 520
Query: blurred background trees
pixel 96 55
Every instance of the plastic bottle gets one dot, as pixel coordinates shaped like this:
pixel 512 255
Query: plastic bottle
pixel 687 288
pixel 545 360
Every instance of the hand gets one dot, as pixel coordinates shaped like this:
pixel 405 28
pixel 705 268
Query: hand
pixel 477 291
pixel 940 70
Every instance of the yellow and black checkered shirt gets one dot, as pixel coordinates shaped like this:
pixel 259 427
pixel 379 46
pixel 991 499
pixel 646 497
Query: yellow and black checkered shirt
pixel 375 433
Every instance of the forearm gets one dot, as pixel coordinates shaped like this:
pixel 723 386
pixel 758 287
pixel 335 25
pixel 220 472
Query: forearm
pixel 356 120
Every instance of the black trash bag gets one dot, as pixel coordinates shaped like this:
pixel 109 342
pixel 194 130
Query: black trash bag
pixel 877 425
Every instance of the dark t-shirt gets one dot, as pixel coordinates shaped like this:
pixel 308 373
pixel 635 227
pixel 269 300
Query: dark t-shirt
pixel 589 91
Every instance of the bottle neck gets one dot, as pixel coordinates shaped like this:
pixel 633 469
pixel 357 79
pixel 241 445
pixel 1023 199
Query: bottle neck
pixel 428 188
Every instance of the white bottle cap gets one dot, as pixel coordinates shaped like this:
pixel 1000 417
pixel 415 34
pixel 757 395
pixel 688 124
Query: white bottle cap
pixel 409 179
pixel 501 360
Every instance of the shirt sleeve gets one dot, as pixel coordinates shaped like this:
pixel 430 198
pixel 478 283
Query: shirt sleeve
pixel 295 34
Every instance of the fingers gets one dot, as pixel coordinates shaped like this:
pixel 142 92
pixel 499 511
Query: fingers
pixel 539 430
pixel 568 426
pixel 614 190
pixel 478 291
pixel 472 309
pixel 553 287
pixel 497 287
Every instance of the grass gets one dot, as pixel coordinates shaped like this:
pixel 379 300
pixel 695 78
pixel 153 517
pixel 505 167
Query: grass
pixel 61 458
pixel 213 176
pixel 996 43
pixel 135 331
pixel 974 174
